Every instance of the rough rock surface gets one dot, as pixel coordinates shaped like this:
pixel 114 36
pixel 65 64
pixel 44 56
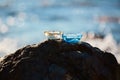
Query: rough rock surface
pixel 57 60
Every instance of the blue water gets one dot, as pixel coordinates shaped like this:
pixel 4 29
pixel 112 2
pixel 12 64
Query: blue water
pixel 32 17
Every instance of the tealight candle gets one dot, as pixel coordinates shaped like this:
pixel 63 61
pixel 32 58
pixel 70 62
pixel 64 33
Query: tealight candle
pixel 53 34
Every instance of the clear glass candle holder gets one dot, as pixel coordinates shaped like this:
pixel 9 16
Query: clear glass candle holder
pixel 53 35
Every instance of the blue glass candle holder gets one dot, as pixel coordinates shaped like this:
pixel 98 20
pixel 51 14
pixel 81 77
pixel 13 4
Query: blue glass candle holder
pixel 72 38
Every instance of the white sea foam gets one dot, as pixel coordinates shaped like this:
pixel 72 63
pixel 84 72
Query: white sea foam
pixel 8 45
pixel 106 44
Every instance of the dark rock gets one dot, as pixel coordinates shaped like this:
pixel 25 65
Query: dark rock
pixel 57 60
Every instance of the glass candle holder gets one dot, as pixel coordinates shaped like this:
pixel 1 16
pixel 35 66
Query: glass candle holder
pixel 53 35
pixel 72 38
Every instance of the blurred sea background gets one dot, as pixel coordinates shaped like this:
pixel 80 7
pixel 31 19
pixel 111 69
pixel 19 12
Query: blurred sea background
pixel 23 22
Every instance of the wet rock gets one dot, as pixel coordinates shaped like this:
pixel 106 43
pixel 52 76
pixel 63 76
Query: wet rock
pixel 57 60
